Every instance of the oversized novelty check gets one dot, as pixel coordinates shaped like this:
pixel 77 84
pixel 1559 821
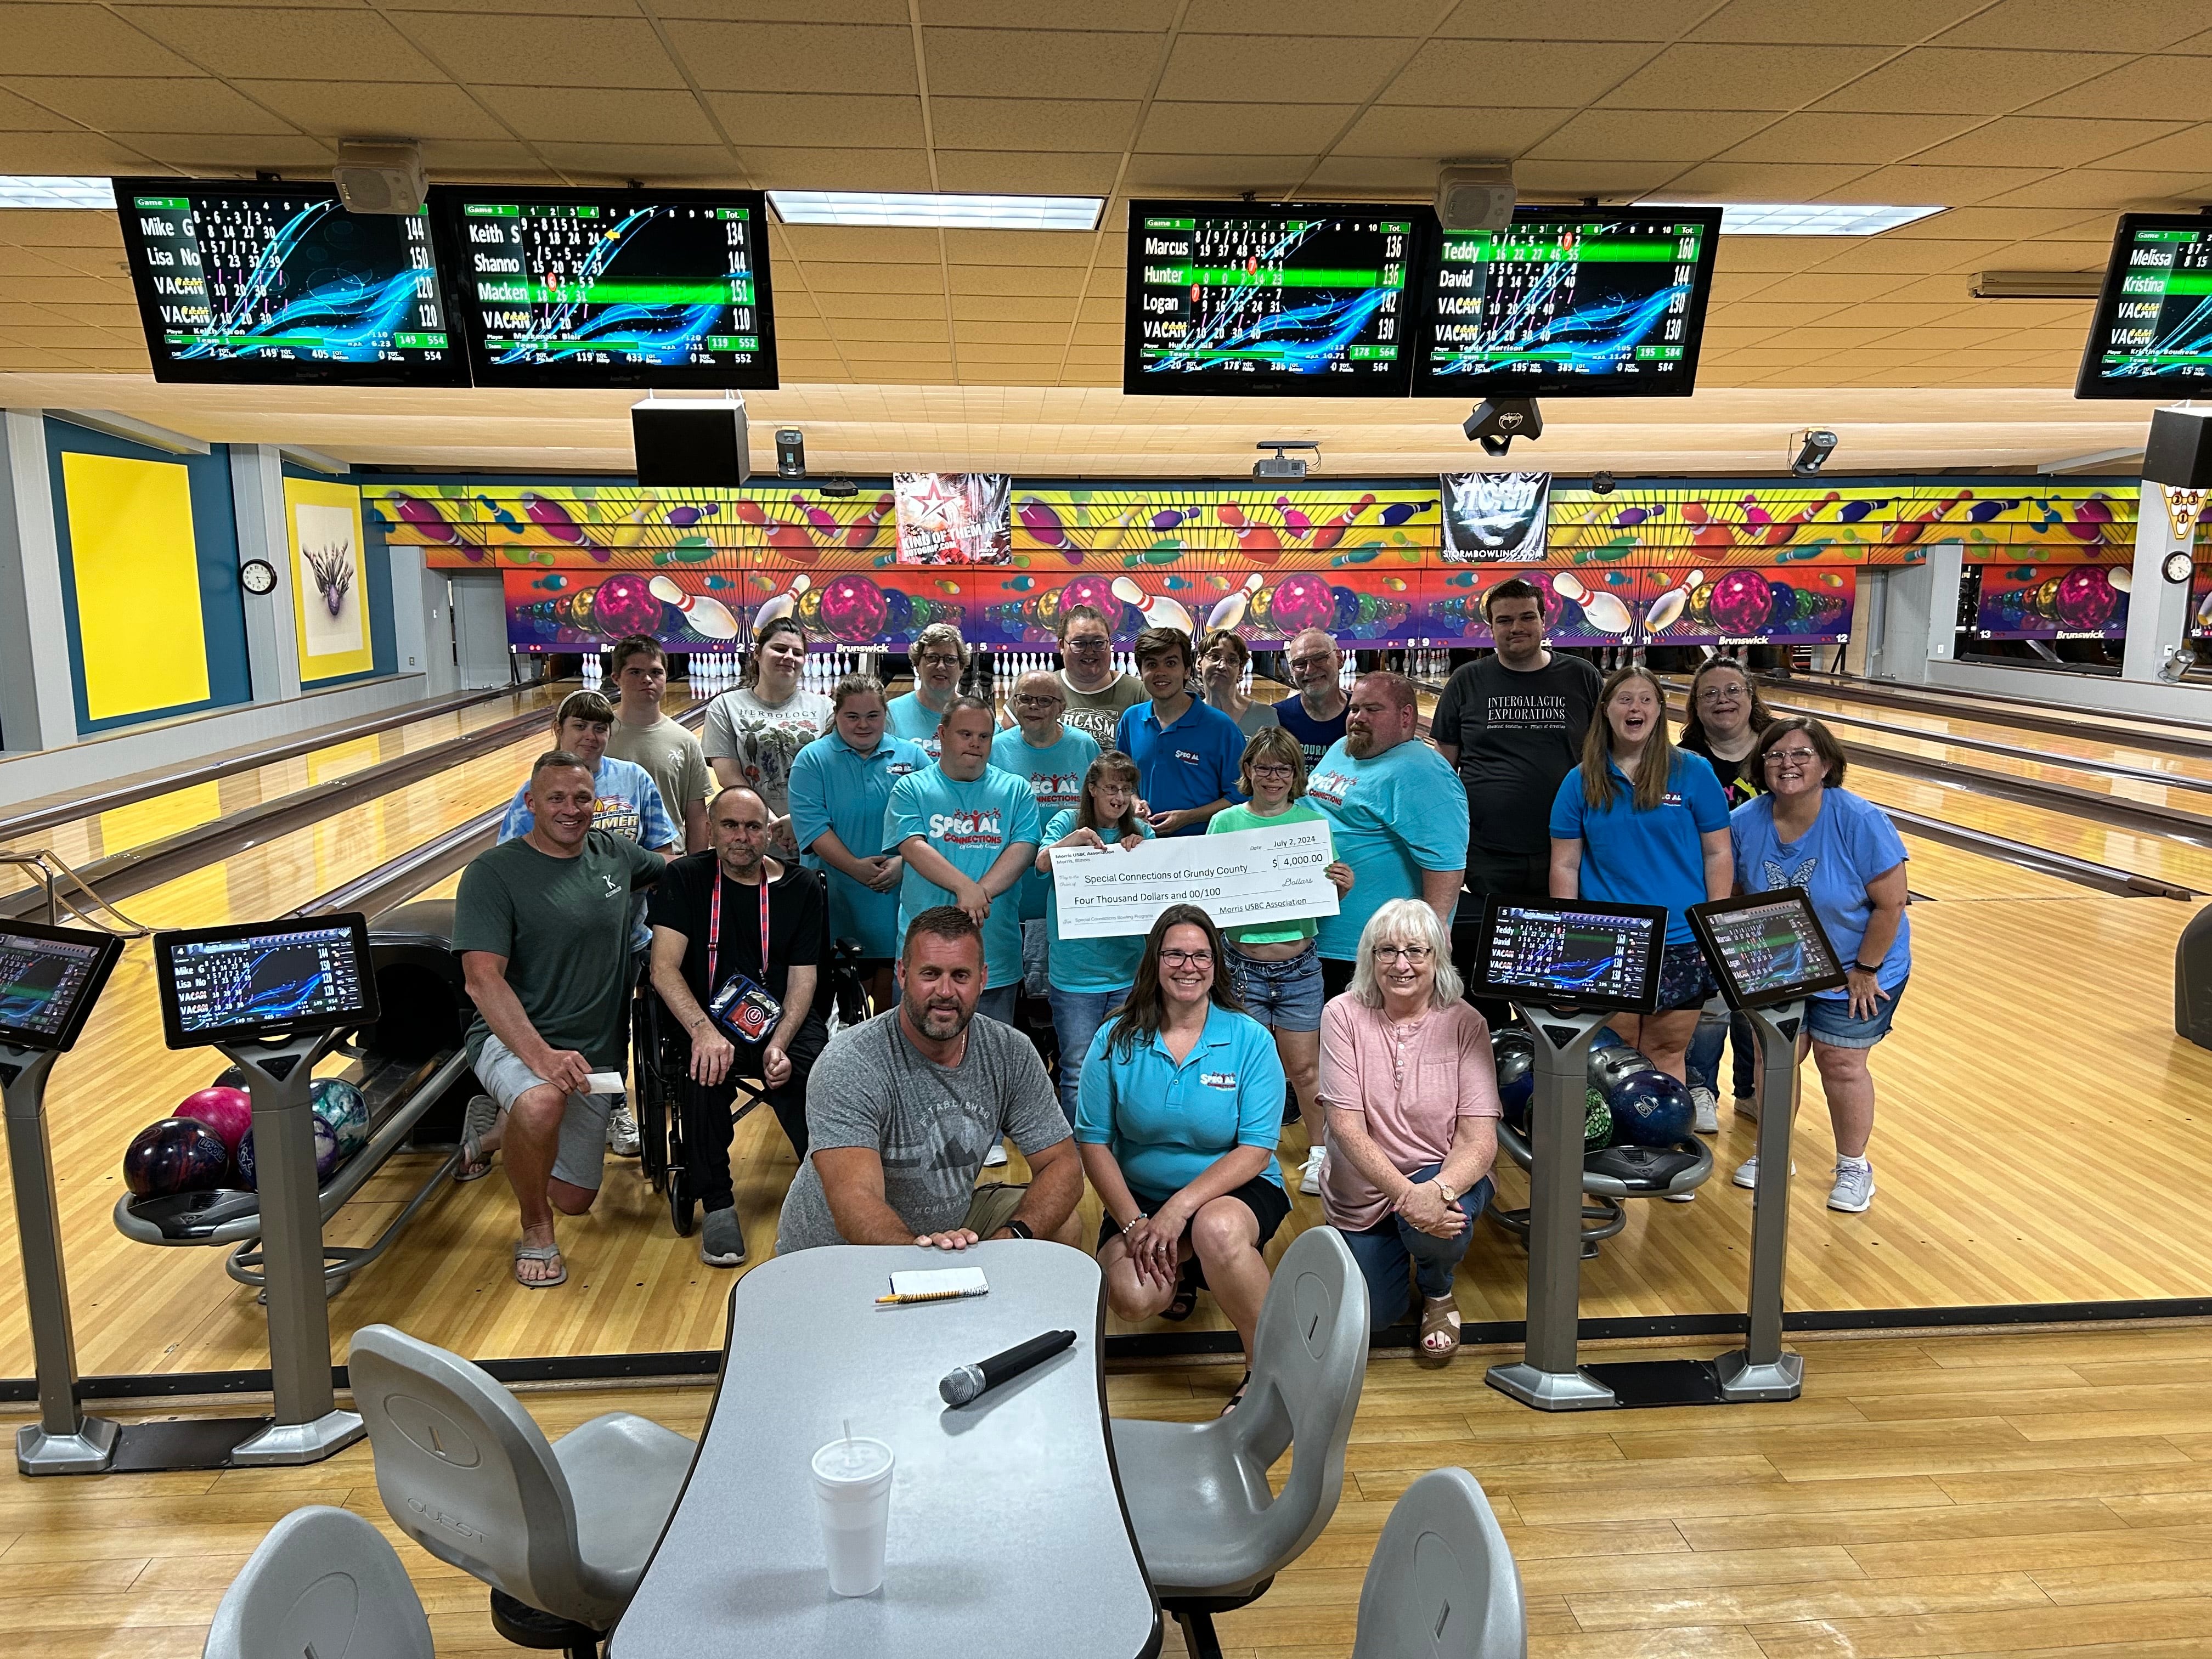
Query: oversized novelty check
pixel 1244 876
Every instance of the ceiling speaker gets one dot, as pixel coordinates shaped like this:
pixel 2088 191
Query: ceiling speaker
pixel 2179 451
pixel 1475 198
pixel 381 177
pixel 690 445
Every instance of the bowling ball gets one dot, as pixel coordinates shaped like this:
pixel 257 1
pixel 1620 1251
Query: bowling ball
pixel 853 609
pixel 1597 1122
pixel 1741 602
pixel 1515 1054
pixel 1303 601
pixel 2087 598
pixel 327 1158
pixel 1097 592
pixel 1650 1109
pixel 340 1104
pixel 229 1112
pixel 233 1077
pixel 176 1155
pixel 625 605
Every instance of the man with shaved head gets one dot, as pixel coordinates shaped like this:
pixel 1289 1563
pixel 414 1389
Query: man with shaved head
pixel 1044 748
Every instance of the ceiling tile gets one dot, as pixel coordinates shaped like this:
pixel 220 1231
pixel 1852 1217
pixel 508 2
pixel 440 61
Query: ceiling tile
pixel 278 41
pixel 109 103
pixel 1035 281
pixel 793 57
pixel 1574 20
pixel 836 169
pixel 27 262
pixel 929 307
pixel 63 39
pixel 2040 141
pixel 1725 179
pixel 582 116
pixel 1207 129
pixel 81 236
pixel 1025 334
pixel 886 280
pixel 1025 172
pixel 1709 76
pixel 696 165
pixel 1040 62
pixel 1609 180
pixel 2172 88
pixel 1250 69
pixel 195 152
pixel 2189 151
pixel 1555 73
pixel 1875 22
pixel 1815 286
pixel 1906 256
pixel 1986 224
pixel 542 51
pixel 2067 25
pixel 82 155
pixel 884 334
pixel 813 118
pixel 1213 174
pixel 790 11
pixel 485 159
pixel 1919 186
pixel 21 115
pixel 345 109
pixel 1035 124
pixel 1432 135
pixel 1056 309
pixel 1023 247
pixel 2112 190
pixel 1870 140
pixel 852 244
pixel 1134 16
pixel 1367 176
pixel 1646 135
pixel 1937 81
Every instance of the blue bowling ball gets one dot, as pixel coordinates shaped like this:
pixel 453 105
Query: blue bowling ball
pixel 1650 1109
pixel 1515 1054
pixel 326 1155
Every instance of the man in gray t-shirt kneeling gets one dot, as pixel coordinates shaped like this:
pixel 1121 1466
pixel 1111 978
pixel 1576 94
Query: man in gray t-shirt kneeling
pixel 901 1109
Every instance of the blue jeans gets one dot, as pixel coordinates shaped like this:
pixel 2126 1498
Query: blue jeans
pixel 1076 1018
pixel 1383 1251
pixel 999 1003
pixel 1703 1063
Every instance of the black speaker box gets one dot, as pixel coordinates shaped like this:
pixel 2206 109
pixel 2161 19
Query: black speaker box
pixel 690 445
pixel 2179 451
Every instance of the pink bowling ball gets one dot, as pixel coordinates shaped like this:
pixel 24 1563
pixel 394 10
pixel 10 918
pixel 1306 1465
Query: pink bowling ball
pixel 2086 597
pixel 229 1112
pixel 1303 601
pixel 1741 603
pixel 854 609
pixel 1097 592
pixel 625 605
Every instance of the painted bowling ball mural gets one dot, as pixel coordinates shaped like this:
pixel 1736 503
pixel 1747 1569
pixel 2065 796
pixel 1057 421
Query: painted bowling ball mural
pixel 625 605
pixel 2041 601
pixel 853 609
pixel 2085 599
pixel 1741 602
pixel 1300 601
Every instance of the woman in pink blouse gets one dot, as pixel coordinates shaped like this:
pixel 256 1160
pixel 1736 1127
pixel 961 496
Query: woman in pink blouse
pixel 1406 1068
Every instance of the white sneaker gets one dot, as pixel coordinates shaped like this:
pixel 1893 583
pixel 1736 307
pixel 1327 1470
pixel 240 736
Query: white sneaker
pixel 1310 1176
pixel 996 1158
pixel 1746 1173
pixel 1853 1193
pixel 1709 1110
pixel 621 1132
pixel 1690 1197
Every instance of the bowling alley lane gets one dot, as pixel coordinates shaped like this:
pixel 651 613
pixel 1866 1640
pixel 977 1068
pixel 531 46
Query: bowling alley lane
pixel 82 840
pixel 1986 722
pixel 1953 875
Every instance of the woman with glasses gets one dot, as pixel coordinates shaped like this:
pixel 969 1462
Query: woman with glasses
pixel 1089 977
pixel 939 658
pixel 1725 719
pixel 1222 660
pixel 755 731
pixel 1097 691
pixel 1275 967
pixel 1808 831
pixel 1411 1087
pixel 1638 821
pixel 1177 1115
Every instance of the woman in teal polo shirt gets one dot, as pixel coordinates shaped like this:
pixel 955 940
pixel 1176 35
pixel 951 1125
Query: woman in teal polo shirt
pixel 1088 977
pixel 1177 1115
pixel 1640 822
pixel 840 784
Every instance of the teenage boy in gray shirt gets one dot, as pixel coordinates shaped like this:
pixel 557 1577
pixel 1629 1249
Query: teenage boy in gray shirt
pixel 901 1109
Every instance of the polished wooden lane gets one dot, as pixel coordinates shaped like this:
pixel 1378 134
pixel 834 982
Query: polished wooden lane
pixel 1991 726
pixel 161 816
pixel 1951 874
pixel 2038 1493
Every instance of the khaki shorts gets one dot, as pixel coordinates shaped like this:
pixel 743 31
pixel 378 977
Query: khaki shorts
pixel 993 1207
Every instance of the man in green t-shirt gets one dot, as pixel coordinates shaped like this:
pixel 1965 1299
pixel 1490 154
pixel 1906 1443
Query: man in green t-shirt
pixel 646 736
pixel 541 924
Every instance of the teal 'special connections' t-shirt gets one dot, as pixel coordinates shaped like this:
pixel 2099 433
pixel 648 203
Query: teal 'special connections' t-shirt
pixel 1392 816
pixel 1167 1122
pixel 1087 964
pixel 1055 778
pixel 968 825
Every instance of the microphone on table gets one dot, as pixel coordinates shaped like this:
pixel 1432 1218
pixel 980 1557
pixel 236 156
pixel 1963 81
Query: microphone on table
pixel 965 1383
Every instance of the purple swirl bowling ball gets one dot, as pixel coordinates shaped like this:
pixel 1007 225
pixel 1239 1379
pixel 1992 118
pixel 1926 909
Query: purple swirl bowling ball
pixel 625 605
pixel 853 609
pixel 326 1155
pixel 174 1155
pixel 1741 602
pixel 2086 597
pixel 1303 601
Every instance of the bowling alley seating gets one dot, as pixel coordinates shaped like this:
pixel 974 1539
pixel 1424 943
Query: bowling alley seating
pixel 323 1582
pixel 1211 1537
pixel 560 1530
pixel 1441 1584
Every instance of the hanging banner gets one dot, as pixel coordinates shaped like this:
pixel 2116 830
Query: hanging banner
pixel 954 517
pixel 1495 518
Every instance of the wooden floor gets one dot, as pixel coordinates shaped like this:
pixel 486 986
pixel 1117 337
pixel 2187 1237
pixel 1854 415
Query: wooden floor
pixel 2035 1495
pixel 1992 727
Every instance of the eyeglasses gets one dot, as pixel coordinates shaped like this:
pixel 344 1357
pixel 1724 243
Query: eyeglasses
pixel 1713 694
pixel 1085 642
pixel 1271 771
pixel 1415 954
pixel 1322 661
pixel 1801 757
pixel 1186 958
pixel 932 660
pixel 1032 700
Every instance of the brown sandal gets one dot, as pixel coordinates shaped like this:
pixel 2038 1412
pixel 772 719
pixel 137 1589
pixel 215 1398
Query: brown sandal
pixel 1438 1317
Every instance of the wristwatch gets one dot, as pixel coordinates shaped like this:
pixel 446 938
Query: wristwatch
pixel 1444 1187
pixel 1020 1230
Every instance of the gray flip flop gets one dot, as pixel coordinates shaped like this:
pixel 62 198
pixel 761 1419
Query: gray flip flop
pixel 480 1118
pixel 539 1253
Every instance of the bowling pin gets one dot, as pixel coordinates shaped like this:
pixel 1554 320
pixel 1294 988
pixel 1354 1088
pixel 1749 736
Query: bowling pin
pixel 709 617
pixel 783 604
pixel 1157 609
pixel 1230 611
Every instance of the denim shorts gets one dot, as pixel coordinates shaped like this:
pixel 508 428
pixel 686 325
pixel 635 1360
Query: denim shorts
pixel 1685 979
pixel 1283 996
pixel 1828 1019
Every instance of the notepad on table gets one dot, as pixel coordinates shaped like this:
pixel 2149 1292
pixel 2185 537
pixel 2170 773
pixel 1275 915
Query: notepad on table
pixel 938 1284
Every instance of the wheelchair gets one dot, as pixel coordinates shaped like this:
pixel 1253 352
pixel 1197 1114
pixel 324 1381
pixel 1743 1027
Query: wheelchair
pixel 660 1052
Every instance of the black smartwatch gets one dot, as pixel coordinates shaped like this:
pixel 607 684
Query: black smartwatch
pixel 1020 1230
pixel 1861 967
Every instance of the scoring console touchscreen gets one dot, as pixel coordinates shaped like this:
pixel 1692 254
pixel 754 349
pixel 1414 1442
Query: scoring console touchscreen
pixel 1574 953
pixel 299 976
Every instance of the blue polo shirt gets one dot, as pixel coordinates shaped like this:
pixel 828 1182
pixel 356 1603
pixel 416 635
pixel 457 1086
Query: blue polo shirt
pixel 1055 778
pixel 1631 857
pixel 1391 818
pixel 1167 1124
pixel 834 787
pixel 1086 964
pixel 1191 762
pixel 968 825
pixel 910 718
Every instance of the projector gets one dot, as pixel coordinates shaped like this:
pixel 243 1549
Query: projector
pixel 1279 468
pixel 381 177
pixel 1475 198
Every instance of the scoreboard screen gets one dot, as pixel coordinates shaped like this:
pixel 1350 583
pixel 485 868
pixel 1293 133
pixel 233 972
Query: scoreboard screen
pixel 229 984
pixel 276 284
pixel 1768 947
pixel 2152 335
pixel 49 979
pixel 1239 299
pixel 1578 302
pixel 1573 951
pixel 612 288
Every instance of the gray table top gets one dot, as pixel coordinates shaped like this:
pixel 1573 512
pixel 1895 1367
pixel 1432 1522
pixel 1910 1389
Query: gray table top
pixel 1004 1516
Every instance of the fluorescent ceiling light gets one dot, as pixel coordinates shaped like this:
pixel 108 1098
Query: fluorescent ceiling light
pixel 948 211
pixel 35 189
pixel 1807 218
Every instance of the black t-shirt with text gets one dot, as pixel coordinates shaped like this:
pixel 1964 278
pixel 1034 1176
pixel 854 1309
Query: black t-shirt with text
pixel 798 926
pixel 1519 734
pixel 1736 781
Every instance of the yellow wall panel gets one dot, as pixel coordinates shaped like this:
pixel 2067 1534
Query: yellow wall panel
pixel 137 584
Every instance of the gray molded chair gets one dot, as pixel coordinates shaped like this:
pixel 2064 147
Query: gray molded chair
pixel 1212 1536
pixel 560 1530
pixel 1442 1584
pixel 325 1582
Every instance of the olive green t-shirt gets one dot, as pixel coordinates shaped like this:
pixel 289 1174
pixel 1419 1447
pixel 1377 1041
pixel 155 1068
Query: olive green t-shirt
pixel 563 927
pixel 1243 817
pixel 671 758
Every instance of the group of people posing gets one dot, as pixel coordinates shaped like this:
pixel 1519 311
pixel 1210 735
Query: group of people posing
pixel 923 828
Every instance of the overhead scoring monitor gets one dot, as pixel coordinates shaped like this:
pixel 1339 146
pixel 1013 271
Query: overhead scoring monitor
pixel 2152 333
pixel 1581 302
pixel 570 287
pixel 260 979
pixel 1767 948
pixel 1245 298
pixel 273 284
pixel 50 977
pixel 1573 951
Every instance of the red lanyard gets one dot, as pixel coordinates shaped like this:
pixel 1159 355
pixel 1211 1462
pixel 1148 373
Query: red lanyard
pixel 715 931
